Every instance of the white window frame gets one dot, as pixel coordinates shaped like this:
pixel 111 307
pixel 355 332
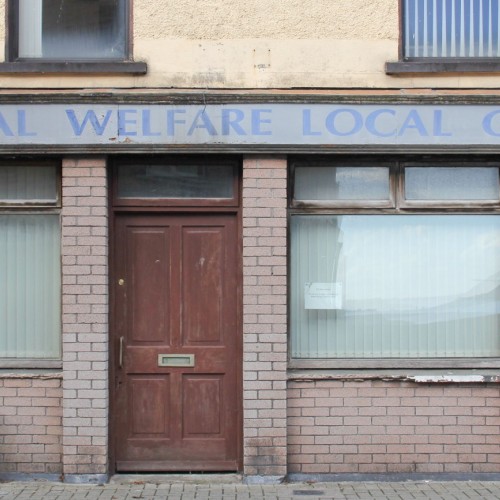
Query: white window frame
pixel 35 207
pixel 396 166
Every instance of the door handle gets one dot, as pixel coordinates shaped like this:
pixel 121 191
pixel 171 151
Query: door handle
pixel 120 356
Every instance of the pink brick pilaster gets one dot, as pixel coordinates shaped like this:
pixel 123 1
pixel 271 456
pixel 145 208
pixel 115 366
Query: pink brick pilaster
pixel 264 313
pixel 85 316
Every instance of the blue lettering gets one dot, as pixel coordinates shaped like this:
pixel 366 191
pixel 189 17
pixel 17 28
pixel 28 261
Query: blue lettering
pixel 257 121
pixel 123 122
pixel 21 124
pixel 487 123
pixel 357 122
pixel 171 121
pixel 91 117
pixel 205 123
pixel 229 123
pixel 306 123
pixel 371 124
pixel 4 127
pixel 413 120
pixel 438 125
pixel 146 124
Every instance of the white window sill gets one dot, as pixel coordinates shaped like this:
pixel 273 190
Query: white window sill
pixel 421 377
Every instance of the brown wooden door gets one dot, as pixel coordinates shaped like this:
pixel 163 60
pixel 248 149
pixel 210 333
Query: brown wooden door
pixel 176 302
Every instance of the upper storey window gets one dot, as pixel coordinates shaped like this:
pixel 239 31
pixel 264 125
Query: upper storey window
pixel 69 30
pixel 451 28
pixel 460 36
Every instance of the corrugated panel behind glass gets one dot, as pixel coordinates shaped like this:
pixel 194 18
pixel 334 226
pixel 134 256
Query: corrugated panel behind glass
pixel 30 311
pixel 35 184
pixel 395 286
pixel 452 183
pixel 451 28
pixel 341 183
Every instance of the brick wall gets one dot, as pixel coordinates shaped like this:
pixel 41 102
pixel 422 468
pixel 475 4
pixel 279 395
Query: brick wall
pixel 379 426
pixel 30 424
pixel 264 311
pixel 85 316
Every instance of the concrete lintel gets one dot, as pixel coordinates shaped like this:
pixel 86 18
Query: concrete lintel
pixel 86 478
pixel 26 477
pixel 257 479
pixel 175 478
pixel 394 477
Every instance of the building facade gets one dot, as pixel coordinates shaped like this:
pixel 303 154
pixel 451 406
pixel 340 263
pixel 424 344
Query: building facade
pixel 249 238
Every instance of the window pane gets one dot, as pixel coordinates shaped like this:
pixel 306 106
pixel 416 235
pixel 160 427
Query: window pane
pixel 36 184
pixel 175 181
pixel 30 292
pixel 451 183
pixel 451 28
pixel 341 183
pixel 76 29
pixel 395 286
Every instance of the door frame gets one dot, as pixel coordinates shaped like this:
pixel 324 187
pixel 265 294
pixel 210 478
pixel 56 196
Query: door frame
pixel 173 207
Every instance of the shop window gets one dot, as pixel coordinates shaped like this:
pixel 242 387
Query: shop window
pixel 449 35
pixel 76 30
pixel 30 311
pixel 394 261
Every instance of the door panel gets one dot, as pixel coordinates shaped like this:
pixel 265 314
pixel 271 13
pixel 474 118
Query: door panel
pixel 147 406
pixel 149 271
pixel 205 418
pixel 175 295
pixel 202 272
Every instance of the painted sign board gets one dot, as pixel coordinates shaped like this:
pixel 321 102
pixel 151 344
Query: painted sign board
pixel 249 124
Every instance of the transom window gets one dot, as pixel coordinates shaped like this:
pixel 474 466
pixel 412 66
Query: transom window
pixel 172 181
pixel 71 30
pixel 451 29
pixel 397 260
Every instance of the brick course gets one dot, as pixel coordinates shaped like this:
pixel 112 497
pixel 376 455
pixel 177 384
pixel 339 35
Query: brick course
pixel 390 427
pixel 30 424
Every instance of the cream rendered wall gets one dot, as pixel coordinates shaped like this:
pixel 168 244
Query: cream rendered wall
pixel 260 44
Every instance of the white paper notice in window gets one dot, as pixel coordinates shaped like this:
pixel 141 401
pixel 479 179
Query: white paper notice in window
pixel 323 295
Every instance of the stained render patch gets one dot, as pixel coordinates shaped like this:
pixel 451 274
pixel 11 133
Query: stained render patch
pixel 296 19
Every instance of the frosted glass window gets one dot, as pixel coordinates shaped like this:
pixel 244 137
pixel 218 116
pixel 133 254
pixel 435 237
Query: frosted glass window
pixel 341 183
pixel 395 286
pixel 452 183
pixel 28 184
pixel 72 30
pixel 30 295
pixel 451 28
pixel 175 181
